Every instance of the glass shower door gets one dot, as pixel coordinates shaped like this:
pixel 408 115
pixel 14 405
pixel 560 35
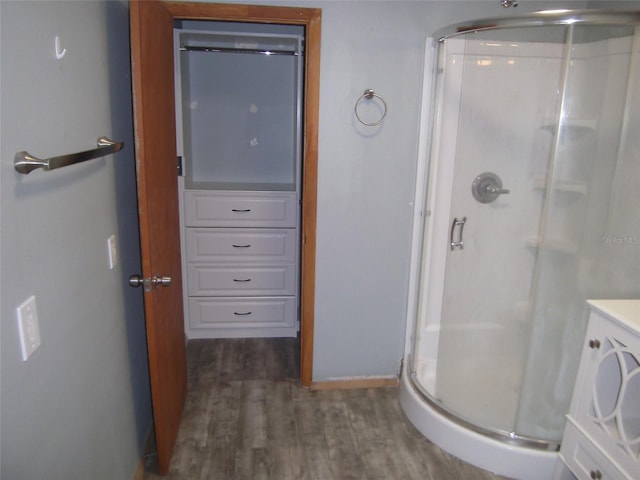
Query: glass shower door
pixel 551 122
pixel 495 212
pixel 574 259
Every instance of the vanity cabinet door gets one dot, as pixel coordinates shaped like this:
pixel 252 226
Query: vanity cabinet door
pixel 606 402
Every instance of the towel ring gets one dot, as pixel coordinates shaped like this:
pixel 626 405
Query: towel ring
pixel 368 95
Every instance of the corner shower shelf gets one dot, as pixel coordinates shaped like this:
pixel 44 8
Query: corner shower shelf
pixel 553 245
pixel 574 128
pixel 576 188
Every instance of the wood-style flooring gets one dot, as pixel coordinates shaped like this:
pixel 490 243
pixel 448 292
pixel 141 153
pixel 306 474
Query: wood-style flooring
pixel 247 418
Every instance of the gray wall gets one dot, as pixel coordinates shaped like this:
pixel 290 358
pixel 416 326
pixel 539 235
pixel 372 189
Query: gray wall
pixel 366 175
pixel 79 407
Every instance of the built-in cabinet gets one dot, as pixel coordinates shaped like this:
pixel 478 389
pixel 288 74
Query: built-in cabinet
pixel 239 122
pixel 602 435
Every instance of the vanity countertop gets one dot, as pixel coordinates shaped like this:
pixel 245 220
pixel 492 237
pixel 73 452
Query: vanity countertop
pixel 626 312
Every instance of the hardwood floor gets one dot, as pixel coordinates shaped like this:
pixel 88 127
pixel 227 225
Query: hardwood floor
pixel 246 418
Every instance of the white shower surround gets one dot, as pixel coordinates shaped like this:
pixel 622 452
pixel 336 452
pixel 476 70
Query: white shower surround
pixel 499 457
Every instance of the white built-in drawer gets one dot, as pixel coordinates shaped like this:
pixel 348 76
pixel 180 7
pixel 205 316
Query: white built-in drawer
pixel 214 208
pixel 215 280
pixel 244 313
pixel 584 458
pixel 241 245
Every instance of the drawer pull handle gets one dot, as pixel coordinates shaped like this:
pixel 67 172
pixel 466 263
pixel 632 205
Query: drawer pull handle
pixel 241 280
pixel 241 246
pixel 237 210
pixel 242 314
pixel 595 474
pixel 594 343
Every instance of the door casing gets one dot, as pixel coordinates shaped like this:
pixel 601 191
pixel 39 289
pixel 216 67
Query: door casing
pixel 310 18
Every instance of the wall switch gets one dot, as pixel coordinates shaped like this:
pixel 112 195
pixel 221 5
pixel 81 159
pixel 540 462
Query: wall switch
pixel 28 327
pixel 112 252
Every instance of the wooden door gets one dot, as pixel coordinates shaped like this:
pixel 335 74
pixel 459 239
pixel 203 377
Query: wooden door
pixel 154 114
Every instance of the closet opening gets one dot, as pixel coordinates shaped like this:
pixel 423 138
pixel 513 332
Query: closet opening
pixel 239 90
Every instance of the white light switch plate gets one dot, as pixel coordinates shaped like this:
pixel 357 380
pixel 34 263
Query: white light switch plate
pixel 28 327
pixel 112 251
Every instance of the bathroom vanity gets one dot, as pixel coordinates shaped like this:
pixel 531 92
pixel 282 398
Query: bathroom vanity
pixel 602 435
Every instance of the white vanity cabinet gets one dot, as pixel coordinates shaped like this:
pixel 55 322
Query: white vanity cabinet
pixel 241 256
pixel 602 436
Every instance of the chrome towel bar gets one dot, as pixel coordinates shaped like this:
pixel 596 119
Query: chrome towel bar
pixel 24 162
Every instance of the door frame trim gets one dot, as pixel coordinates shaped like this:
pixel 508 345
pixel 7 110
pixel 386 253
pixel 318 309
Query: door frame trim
pixel 310 18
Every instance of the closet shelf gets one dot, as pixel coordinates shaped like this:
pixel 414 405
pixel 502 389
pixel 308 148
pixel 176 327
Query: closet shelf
pixel 242 186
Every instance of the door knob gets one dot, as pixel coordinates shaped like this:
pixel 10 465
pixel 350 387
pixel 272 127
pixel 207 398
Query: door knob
pixel 136 281
pixel 155 281
pixel 161 281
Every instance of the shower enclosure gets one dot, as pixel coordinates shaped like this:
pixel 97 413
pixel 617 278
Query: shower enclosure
pixel 527 205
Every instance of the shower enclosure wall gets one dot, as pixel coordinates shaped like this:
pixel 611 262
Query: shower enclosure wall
pixel 527 207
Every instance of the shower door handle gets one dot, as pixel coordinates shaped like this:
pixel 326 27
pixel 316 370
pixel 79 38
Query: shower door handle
pixel 454 224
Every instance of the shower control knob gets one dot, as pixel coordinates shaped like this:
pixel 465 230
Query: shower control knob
pixel 487 187
pixel 594 344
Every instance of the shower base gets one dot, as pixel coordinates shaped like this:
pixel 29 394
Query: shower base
pixel 484 452
pixel 495 395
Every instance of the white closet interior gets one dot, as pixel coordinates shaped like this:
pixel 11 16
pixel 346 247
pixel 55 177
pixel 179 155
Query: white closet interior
pixel 239 119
